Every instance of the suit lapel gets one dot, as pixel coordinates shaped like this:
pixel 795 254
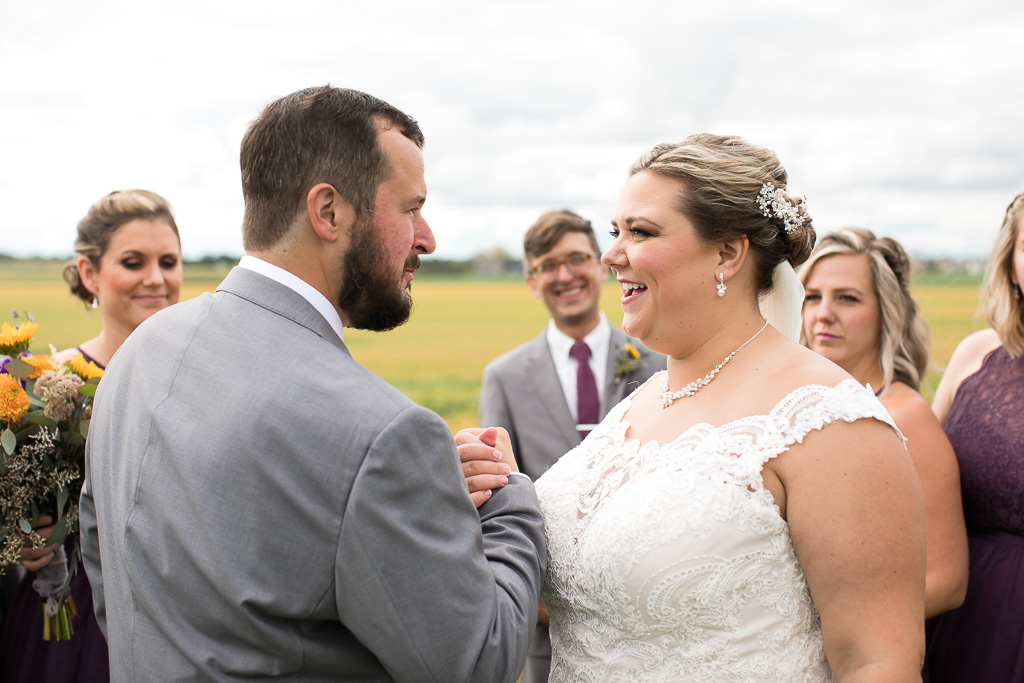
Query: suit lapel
pixel 613 391
pixel 541 371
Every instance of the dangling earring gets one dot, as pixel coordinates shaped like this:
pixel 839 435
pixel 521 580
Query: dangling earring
pixel 721 284
pixel 95 301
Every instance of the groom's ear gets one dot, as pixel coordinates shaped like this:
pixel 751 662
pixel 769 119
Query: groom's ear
pixel 330 214
pixel 732 254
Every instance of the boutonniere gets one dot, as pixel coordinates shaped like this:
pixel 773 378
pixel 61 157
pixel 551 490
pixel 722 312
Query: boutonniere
pixel 626 362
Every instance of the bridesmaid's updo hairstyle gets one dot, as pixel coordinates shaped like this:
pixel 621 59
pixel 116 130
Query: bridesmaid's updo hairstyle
pixel 1004 300
pixel 103 220
pixel 722 178
pixel 903 346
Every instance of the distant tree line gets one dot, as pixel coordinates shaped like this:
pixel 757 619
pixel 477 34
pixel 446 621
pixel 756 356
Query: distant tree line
pixel 498 263
pixel 491 263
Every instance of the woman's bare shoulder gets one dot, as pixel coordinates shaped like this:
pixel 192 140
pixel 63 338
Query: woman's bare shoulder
pixel 975 347
pixel 67 354
pixel 788 367
pixel 965 361
pixel 808 367
pixel 91 347
pixel 970 354
pixel 908 408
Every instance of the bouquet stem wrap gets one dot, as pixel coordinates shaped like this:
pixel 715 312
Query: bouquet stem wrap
pixel 53 584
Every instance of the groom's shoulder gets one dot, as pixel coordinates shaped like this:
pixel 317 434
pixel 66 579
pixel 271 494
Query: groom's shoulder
pixel 168 326
pixel 335 378
pixel 366 406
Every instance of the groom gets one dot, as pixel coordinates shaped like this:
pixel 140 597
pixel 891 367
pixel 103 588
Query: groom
pixel 259 505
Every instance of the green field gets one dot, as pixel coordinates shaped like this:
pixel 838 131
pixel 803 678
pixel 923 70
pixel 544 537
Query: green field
pixel 456 328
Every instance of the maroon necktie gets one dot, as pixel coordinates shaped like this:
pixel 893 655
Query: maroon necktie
pixel 588 405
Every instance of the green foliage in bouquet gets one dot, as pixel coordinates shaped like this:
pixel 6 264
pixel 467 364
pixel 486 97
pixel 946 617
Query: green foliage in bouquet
pixel 45 408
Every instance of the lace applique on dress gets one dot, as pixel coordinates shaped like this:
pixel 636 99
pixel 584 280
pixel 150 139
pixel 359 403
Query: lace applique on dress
pixel 670 562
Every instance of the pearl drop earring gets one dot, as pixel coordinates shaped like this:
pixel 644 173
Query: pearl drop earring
pixel 721 285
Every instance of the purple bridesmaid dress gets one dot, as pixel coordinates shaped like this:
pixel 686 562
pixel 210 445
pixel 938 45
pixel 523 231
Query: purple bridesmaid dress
pixel 26 658
pixel 984 639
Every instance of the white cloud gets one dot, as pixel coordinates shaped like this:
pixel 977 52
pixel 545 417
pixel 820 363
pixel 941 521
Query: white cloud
pixel 901 118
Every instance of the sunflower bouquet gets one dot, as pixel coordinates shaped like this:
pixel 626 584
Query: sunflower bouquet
pixel 45 407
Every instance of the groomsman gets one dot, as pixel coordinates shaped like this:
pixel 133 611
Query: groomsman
pixel 259 505
pixel 551 391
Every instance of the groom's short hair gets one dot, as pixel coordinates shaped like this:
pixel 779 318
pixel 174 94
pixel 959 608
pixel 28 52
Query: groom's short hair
pixel 316 135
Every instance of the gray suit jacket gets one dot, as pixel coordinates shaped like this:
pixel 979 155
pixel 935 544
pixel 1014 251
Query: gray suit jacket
pixel 521 392
pixel 258 505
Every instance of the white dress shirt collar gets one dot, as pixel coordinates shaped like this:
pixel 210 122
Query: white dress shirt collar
pixel 297 285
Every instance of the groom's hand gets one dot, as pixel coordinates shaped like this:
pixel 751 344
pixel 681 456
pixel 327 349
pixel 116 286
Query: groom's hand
pixel 487 460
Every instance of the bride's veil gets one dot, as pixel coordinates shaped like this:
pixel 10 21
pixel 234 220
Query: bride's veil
pixel 781 305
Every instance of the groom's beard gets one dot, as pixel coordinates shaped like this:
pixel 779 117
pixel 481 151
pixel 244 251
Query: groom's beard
pixel 371 296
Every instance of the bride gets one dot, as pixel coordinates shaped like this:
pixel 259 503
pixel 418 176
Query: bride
pixel 751 514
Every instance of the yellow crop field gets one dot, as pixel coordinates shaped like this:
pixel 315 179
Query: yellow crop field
pixel 951 313
pixel 456 328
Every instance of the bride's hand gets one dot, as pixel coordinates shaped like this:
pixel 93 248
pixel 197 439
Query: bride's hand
pixel 34 559
pixel 487 460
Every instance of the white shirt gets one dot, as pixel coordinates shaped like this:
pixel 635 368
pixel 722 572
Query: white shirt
pixel 559 345
pixel 297 285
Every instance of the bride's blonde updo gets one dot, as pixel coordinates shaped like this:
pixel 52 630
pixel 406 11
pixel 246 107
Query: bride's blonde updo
pixel 722 177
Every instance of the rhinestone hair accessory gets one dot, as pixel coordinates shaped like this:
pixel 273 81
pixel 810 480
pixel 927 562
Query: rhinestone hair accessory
pixel 774 203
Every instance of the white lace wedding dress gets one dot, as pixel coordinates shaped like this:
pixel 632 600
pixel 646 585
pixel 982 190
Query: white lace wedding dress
pixel 671 562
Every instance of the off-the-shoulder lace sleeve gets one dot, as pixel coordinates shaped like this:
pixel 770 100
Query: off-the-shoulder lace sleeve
pixel 671 562
pixel 813 406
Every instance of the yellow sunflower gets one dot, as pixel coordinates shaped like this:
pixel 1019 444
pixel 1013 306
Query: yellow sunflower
pixel 14 338
pixel 85 369
pixel 40 364
pixel 14 401
pixel 626 362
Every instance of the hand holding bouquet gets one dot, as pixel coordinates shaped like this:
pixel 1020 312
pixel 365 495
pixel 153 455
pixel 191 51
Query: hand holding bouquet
pixel 44 418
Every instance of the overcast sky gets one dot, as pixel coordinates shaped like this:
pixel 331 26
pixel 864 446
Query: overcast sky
pixel 906 120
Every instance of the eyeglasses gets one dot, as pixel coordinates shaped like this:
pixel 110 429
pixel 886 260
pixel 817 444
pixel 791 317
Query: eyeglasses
pixel 578 262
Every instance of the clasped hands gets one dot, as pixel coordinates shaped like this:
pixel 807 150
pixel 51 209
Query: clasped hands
pixel 487 460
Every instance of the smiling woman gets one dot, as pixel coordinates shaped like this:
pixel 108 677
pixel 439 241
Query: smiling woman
pixel 128 266
pixel 692 535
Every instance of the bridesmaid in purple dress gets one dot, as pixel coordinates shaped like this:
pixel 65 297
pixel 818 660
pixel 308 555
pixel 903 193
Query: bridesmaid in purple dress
pixel 980 402
pixel 128 265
